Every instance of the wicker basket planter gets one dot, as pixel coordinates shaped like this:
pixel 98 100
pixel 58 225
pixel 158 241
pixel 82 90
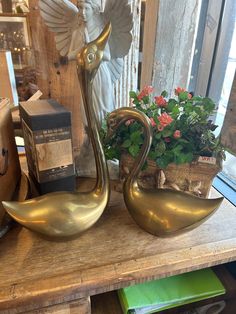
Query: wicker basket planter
pixel 195 178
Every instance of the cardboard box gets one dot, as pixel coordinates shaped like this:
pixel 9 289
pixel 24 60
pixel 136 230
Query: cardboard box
pixel 9 162
pixel 47 134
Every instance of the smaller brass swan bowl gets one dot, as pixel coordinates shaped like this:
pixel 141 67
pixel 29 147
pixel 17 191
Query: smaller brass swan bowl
pixel 161 212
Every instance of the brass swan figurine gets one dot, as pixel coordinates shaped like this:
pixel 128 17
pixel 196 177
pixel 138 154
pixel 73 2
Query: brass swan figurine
pixel 161 212
pixel 64 214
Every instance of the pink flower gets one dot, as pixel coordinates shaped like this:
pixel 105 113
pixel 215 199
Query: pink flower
pixel 179 90
pixel 147 90
pixel 177 134
pixel 128 122
pixel 160 127
pixel 167 139
pixel 165 119
pixel 160 101
pixel 153 123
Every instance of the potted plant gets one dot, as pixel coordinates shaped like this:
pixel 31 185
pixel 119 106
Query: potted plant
pixel 185 154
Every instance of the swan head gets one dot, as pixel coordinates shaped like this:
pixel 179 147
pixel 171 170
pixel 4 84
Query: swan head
pixel 115 119
pixel 90 56
pixel 121 115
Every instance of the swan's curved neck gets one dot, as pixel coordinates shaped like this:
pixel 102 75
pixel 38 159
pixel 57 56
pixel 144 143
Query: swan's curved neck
pixel 139 162
pixel 86 82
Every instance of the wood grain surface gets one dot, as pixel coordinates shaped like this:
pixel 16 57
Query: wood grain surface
pixel 149 41
pixel 36 272
pixel 174 44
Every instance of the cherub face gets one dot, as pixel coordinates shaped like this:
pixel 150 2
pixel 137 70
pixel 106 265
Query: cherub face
pixel 87 12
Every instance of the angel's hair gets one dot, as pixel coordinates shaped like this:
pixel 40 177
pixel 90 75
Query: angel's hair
pixel 94 4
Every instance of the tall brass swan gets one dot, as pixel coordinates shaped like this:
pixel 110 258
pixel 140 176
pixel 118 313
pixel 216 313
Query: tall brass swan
pixel 64 214
pixel 161 212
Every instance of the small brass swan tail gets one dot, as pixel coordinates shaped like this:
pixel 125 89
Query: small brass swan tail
pixel 64 214
pixel 161 212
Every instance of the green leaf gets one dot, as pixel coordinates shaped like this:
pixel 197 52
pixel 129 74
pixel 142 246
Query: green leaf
pixel 183 96
pixel 164 93
pixel 183 141
pixel 177 149
pixel 136 102
pixel 162 162
pixel 166 132
pixel 189 157
pixel 152 155
pixel 208 104
pixel 127 143
pixel 182 158
pixel 171 104
pixel 158 135
pixel 112 153
pixel 165 159
pixel 134 150
pixel 136 137
pixel 196 98
pixel 146 100
pixel 133 95
pixel 175 111
pixel 160 148
pixel 134 127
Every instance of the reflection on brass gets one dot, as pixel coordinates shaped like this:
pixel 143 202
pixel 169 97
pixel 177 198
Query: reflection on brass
pixel 3 171
pixel 161 212
pixel 64 214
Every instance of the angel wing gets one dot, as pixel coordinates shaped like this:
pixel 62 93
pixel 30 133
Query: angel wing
pixel 120 15
pixel 61 16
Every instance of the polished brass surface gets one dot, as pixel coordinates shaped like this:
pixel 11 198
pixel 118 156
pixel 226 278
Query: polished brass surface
pixel 64 214
pixel 161 212
pixel 3 171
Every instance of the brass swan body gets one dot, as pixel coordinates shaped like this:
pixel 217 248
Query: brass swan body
pixel 65 214
pixel 161 212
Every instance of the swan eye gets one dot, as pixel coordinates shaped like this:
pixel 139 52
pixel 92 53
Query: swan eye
pixel 91 57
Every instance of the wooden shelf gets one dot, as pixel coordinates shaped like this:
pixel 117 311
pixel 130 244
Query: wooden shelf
pixel 109 302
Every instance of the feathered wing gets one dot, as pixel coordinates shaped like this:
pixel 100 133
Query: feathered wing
pixel 61 16
pixel 119 13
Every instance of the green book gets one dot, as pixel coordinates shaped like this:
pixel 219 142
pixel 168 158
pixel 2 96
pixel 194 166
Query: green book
pixel 170 292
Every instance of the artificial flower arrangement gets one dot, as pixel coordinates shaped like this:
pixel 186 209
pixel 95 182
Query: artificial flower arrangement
pixel 182 129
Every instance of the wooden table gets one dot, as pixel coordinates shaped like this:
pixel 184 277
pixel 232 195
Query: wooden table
pixel 60 277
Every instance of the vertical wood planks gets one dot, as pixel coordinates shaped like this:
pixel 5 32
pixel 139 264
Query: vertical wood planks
pixel 149 41
pixel 174 43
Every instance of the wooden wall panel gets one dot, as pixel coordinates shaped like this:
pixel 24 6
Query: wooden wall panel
pixel 174 43
pixel 149 41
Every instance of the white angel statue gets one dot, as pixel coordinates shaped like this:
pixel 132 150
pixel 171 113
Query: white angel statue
pixel 64 19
